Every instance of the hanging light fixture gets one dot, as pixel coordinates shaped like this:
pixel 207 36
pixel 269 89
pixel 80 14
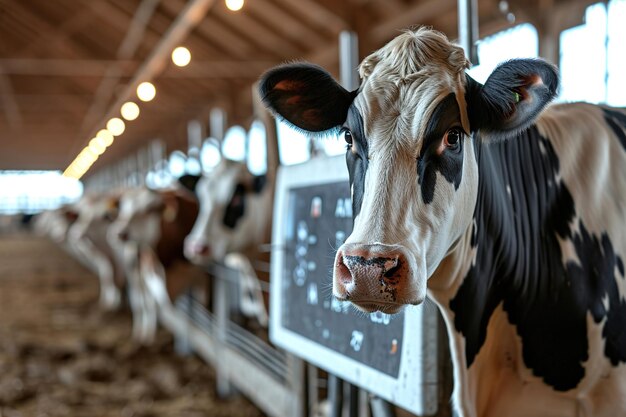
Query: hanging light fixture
pixel 146 91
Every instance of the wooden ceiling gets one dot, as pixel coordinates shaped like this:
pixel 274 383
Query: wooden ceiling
pixel 63 63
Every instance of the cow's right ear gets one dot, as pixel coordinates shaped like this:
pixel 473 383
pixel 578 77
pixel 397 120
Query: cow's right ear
pixel 512 97
pixel 306 96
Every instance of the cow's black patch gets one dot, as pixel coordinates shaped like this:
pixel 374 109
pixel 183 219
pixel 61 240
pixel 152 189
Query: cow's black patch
pixel 258 183
pixel 236 207
pixel 617 121
pixel 519 264
pixel 357 161
pixel 450 163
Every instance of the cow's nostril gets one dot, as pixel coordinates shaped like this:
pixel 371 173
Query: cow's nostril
pixel 123 236
pixel 203 250
pixel 391 272
pixel 342 270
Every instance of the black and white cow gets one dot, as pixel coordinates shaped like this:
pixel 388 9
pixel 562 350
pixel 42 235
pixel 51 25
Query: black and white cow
pixel 235 218
pixel 509 216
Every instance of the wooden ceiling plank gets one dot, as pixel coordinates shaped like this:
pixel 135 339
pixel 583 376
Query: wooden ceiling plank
pixel 221 69
pixel 217 32
pixel 75 23
pixel 422 12
pixel 260 35
pixel 288 26
pixel 317 14
pixel 132 40
pixel 11 109
pixel 64 67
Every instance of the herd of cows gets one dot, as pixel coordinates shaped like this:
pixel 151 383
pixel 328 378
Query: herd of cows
pixel 133 239
pixel 509 214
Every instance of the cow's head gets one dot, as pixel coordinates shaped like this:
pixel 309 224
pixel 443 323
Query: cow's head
pixel 95 215
pixel 410 132
pixel 141 211
pixel 230 218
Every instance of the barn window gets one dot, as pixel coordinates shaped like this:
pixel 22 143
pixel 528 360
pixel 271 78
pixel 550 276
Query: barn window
pixel 257 149
pixel 234 144
pixel 34 191
pixel 592 59
pixel 177 163
pixel 210 154
pixel 520 41
pixel 293 145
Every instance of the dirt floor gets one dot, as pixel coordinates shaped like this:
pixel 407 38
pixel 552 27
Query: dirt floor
pixel 61 356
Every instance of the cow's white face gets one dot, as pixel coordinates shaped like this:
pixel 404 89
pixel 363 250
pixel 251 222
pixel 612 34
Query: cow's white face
pixel 409 131
pixel 227 217
pixel 413 182
pixel 139 220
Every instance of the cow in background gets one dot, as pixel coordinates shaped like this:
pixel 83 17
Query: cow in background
pixel 509 216
pixel 153 225
pixel 88 236
pixel 235 218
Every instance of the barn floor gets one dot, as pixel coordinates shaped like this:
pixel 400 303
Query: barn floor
pixel 61 356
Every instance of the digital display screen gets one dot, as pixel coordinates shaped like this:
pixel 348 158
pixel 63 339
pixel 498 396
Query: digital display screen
pixel 319 219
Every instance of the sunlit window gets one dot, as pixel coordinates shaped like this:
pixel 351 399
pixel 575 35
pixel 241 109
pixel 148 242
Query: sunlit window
pixel 210 154
pixel 177 164
pixel 293 145
pixel 592 56
pixel 257 149
pixel 518 42
pixel 234 145
pixel 34 191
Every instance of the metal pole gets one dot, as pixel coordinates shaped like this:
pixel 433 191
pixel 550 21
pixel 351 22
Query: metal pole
pixel 353 400
pixel 468 28
pixel 335 395
pixel 217 124
pixel 381 408
pixel 349 60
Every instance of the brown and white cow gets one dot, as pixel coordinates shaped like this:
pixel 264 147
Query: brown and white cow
pixel 153 225
pixel 510 216
pixel 88 236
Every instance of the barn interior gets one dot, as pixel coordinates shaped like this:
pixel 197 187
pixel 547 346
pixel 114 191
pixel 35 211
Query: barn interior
pixel 99 97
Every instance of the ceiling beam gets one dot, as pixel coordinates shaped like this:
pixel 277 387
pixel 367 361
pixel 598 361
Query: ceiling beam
pixel 62 33
pixel 126 50
pixel 221 69
pixel 11 109
pixel 188 18
pixel 289 26
pixel 65 67
pixel 317 14
pixel 260 35
pixel 422 12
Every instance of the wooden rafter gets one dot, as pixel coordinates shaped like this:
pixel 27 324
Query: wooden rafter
pixel 126 50
pixel 422 12
pixel 11 109
pixel 289 26
pixel 260 35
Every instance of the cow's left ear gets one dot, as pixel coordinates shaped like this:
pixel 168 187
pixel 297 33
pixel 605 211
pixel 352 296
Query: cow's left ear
pixel 306 96
pixel 512 97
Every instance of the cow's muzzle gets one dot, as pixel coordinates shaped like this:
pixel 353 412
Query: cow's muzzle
pixel 197 251
pixel 377 277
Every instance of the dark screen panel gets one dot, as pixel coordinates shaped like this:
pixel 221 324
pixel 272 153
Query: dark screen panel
pixel 318 221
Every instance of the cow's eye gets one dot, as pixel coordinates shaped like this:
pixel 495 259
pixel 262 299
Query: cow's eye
pixel 347 136
pixel 453 137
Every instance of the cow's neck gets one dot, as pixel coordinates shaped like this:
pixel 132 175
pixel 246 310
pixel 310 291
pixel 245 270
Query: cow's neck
pixel 529 260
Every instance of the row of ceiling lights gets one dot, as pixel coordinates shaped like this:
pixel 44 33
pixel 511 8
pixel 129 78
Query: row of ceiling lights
pixel 146 91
